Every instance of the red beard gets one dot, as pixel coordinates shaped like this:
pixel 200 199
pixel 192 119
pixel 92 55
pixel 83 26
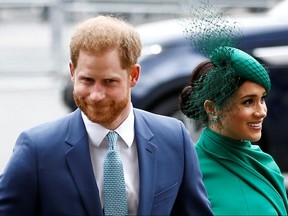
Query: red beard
pixel 103 112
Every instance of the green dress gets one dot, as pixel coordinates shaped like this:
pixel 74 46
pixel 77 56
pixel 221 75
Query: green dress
pixel 240 178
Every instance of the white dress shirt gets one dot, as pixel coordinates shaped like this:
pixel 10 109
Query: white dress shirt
pixel 126 146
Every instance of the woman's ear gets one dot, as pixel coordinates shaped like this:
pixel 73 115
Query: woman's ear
pixel 211 110
pixel 209 106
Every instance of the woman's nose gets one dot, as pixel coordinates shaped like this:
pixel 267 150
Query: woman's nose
pixel 261 111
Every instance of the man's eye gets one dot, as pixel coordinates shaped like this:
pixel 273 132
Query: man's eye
pixel 109 81
pixel 86 79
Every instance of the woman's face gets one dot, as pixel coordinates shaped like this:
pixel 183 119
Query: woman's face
pixel 243 116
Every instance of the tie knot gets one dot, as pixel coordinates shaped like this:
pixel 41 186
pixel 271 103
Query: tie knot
pixel 112 139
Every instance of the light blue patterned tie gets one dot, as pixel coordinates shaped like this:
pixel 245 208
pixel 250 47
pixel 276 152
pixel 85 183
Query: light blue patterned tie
pixel 115 200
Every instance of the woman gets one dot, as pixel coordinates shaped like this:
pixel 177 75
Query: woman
pixel 227 94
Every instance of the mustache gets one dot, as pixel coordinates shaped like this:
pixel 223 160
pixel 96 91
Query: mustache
pixel 86 101
pixel 98 104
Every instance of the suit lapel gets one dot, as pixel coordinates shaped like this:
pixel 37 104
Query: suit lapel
pixel 147 155
pixel 79 163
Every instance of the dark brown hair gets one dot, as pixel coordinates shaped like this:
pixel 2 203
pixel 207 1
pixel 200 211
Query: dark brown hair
pixel 199 72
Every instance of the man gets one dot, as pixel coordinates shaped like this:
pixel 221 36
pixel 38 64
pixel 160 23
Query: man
pixel 57 167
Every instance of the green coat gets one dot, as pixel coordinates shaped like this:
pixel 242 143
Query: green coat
pixel 240 179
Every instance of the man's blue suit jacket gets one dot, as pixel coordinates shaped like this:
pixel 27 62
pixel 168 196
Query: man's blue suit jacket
pixel 50 171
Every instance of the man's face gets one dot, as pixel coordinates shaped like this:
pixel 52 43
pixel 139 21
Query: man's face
pixel 102 89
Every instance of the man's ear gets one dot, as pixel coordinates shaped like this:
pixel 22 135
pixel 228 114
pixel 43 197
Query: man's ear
pixel 134 75
pixel 72 71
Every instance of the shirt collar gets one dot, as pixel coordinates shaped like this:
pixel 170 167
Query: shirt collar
pixel 97 133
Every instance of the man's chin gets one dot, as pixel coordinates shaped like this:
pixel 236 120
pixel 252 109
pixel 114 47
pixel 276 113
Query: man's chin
pixel 99 119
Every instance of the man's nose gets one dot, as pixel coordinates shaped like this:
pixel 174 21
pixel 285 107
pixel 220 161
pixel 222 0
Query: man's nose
pixel 97 93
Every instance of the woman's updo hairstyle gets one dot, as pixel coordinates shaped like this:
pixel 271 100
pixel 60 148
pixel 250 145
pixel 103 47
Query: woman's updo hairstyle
pixel 198 74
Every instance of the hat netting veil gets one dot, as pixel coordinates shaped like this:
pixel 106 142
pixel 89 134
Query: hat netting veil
pixel 214 34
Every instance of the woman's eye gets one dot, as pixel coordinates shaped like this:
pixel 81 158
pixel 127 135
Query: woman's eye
pixel 263 99
pixel 248 102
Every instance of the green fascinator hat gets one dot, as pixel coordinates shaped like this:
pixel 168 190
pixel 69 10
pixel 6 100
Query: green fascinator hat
pixel 243 64
pixel 214 34
pixel 229 68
